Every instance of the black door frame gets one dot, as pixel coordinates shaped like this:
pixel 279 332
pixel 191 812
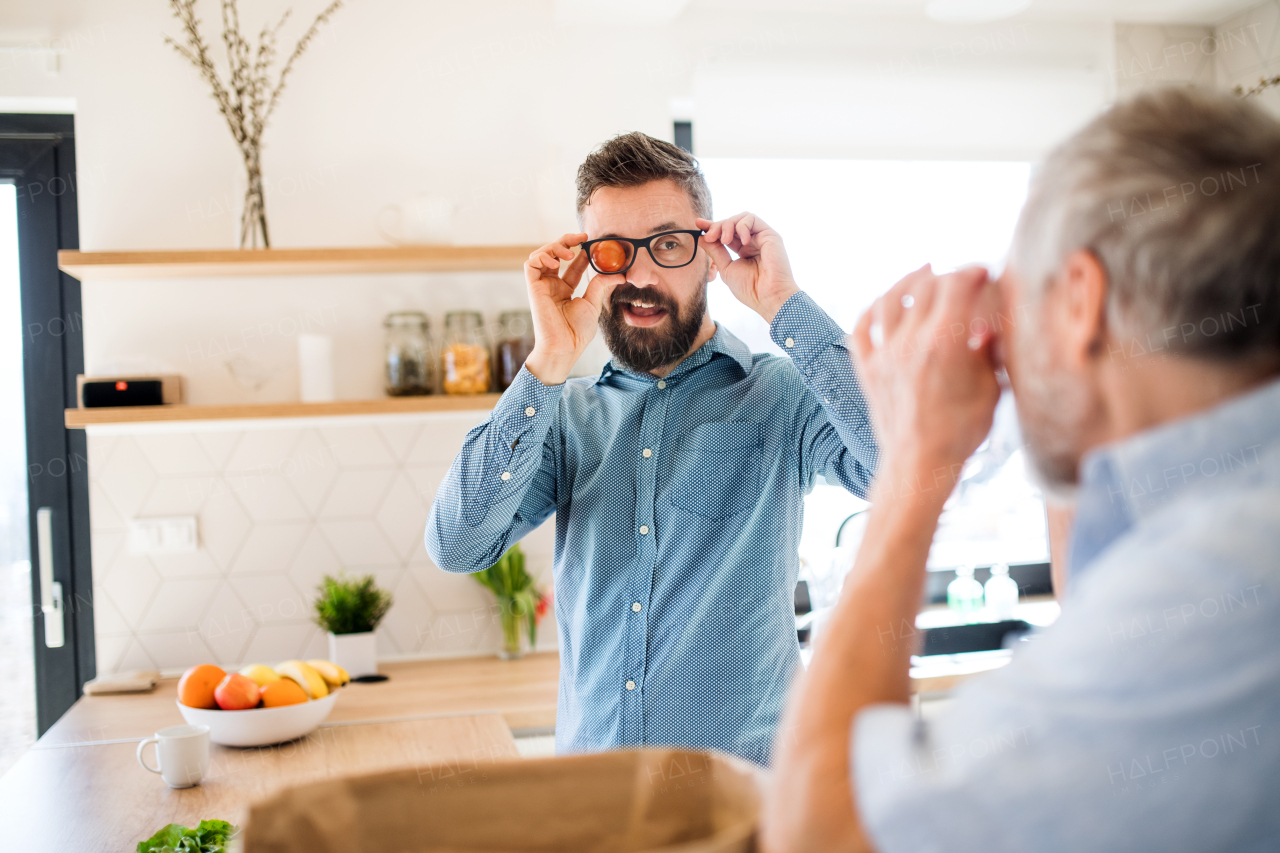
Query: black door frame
pixel 37 152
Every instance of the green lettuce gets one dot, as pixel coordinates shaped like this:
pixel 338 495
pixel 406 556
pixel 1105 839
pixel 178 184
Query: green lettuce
pixel 210 836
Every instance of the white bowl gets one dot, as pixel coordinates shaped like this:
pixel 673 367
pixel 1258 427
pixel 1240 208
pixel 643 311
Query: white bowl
pixel 260 726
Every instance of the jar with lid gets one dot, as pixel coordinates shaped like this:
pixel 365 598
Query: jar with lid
pixel 515 342
pixel 410 355
pixel 465 357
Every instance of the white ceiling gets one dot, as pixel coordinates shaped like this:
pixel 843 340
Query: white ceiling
pixel 1150 11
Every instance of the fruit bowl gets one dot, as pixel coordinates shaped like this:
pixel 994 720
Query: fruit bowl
pixel 260 726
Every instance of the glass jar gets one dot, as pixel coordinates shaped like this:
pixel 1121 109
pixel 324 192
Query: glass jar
pixel 465 357
pixel 515 342
pixel 410 356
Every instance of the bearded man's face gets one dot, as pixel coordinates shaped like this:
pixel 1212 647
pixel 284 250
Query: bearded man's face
pixel 654 314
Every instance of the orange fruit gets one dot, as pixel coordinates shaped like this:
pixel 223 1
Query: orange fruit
pixel 195 688
pixel 283 692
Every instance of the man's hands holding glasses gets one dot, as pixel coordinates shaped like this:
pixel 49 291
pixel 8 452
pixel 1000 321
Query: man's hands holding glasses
pixel 760 278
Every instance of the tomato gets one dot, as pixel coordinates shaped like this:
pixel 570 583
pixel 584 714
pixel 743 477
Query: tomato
pixel 609 256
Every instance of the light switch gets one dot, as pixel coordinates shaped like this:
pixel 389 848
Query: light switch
pixel 163 535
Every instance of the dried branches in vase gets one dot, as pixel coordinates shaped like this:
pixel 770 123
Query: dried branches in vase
pixel 1264 83
pixel 248 96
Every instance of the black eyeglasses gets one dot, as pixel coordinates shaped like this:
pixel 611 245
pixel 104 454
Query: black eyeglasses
pixel 615 255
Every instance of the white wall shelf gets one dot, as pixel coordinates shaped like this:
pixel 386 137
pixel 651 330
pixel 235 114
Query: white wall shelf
pixel 106 266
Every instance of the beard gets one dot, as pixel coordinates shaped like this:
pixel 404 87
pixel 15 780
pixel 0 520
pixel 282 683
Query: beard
pixel 644 349
pixel 1054 410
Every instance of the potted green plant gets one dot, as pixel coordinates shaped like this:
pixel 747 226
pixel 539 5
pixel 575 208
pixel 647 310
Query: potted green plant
pixel 520 603
pixel 350 610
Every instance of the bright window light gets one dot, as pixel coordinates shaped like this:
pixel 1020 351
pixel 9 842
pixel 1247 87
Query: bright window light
pixel 852 229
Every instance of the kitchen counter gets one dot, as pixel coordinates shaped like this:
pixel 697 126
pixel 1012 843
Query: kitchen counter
pixel 523 692
pixel 80 786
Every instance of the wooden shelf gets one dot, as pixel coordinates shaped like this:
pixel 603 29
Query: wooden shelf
pixel 106 266
pixel 80 418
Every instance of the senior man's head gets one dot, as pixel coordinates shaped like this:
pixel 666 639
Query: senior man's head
pixel 1150 238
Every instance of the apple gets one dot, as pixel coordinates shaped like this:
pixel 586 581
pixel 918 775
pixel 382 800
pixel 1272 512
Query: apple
pixel 237 692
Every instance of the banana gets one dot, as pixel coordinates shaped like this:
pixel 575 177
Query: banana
pixel 308 679
pixel 333 674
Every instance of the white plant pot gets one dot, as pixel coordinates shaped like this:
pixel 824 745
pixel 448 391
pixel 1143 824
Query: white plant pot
pixel 356 653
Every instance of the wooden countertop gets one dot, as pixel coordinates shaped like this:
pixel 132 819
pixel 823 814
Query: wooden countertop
pixel 523 692
pixel 80 786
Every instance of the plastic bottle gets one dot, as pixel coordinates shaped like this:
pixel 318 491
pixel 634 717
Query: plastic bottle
pixel 1001 592
pixel 964 594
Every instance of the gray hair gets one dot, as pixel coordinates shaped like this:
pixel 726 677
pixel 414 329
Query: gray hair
pixel 632 159
pixel 1176 192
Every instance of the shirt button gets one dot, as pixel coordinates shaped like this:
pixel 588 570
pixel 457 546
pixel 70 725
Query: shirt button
pixel 631 685
pixel 506 475
pixel 644 531
pixel 791 342
pixel 661 384
pixel 531 411
pixel 635 607
pixel 647 453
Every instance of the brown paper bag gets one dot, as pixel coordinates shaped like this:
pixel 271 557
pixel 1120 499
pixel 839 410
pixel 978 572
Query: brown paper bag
pixel 635 800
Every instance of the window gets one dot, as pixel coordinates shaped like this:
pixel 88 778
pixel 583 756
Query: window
pixel 853 228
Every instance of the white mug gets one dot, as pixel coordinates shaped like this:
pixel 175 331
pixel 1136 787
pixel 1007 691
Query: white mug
pixel 182 753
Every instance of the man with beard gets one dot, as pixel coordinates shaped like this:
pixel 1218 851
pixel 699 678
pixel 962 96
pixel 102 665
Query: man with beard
pixel 676 475
pixel 1144 290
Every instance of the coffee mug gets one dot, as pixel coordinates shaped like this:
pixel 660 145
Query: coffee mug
pixel 182 753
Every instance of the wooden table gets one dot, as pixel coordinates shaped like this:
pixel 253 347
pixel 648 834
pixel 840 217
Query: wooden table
pixel 80 787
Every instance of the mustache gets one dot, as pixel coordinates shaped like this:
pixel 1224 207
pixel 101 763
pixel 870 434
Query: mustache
pixel 631 293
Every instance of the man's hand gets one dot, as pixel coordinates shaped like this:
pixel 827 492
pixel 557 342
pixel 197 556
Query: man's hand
pixel 562 325
pixel 761 276
pixel 923 353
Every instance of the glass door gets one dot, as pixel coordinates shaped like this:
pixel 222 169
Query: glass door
pixel 44 498
pixel 17 656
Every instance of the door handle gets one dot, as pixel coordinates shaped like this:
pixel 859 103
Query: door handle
pixel 50 590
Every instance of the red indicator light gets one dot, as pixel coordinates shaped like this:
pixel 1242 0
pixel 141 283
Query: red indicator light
pixel 121 385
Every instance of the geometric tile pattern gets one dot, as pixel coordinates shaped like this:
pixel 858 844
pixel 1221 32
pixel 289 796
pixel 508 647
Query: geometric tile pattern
pixel 278 508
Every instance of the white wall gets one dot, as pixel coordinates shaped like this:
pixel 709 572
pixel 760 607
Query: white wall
pixel 491 103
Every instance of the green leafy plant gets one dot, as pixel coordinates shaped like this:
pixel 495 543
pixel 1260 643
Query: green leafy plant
pixel 211 836
pixel 519 599
pixel 350 605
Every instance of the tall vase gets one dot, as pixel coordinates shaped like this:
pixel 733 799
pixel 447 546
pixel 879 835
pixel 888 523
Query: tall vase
pixel 514 637
pixel 253 221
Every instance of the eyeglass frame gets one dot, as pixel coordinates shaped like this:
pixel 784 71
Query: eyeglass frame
pixel 642 243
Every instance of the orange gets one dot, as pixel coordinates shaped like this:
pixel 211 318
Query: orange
pixel 195 688
pixel 283 692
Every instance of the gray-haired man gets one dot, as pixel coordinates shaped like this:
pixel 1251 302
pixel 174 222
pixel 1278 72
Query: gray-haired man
pixel 1147 268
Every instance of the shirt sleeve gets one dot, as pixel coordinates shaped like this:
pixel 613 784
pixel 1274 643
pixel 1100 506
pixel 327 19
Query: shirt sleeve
pixel 503 482
pixel 1139 719
pixel 836 436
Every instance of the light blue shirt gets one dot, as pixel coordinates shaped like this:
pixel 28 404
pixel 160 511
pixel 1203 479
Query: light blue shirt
pixel 1148 716
pixel 678 507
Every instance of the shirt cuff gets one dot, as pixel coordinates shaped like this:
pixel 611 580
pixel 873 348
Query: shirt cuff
pixel 803 330
pixel 525 407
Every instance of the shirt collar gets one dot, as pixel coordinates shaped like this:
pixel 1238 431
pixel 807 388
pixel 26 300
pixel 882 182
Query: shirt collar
pixel 723 342
pixel 1122 482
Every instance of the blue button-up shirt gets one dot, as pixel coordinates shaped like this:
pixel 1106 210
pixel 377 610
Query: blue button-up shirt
pixel 1148 716
pixel 678 507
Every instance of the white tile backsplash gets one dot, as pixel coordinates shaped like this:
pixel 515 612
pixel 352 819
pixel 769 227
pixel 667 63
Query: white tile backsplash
pixel 277 509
